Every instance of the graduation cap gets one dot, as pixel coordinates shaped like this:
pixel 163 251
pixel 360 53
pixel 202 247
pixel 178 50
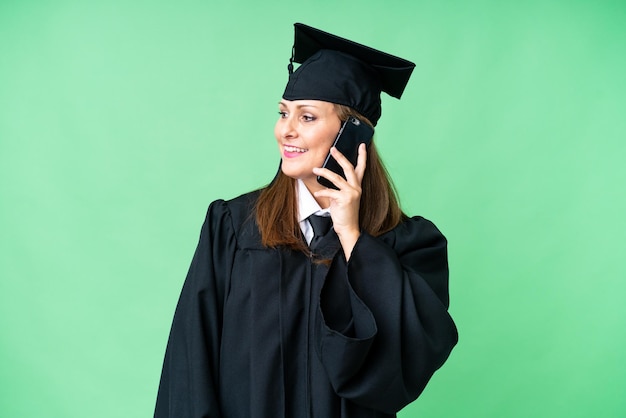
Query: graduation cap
pixel 340 71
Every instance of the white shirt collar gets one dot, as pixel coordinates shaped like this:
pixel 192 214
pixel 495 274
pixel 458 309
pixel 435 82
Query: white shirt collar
pixel 307 205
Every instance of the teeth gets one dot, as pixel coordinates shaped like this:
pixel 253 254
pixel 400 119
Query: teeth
pixel 290 148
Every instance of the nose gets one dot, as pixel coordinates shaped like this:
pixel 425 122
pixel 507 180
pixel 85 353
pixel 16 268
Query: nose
pixel 287 128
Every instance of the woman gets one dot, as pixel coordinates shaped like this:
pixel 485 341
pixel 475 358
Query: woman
pixel 278 318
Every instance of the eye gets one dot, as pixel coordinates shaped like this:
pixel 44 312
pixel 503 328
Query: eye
pixel 308 118
pixel 282 114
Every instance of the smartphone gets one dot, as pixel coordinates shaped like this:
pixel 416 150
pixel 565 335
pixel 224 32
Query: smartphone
pixel 353 133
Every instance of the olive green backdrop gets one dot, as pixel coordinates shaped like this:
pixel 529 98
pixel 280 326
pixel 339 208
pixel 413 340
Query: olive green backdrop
pixel 120 121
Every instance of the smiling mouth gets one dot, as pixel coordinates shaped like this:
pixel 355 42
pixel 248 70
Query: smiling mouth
pixel 290 148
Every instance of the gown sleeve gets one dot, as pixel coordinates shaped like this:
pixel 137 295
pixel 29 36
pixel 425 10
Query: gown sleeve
pixel 397 331
pixel 188 386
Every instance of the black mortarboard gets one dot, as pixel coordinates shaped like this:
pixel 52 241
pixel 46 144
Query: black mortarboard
pixel 340 71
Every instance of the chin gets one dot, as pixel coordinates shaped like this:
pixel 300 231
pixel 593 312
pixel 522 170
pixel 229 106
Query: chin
pixel 293 172
pixel 289 173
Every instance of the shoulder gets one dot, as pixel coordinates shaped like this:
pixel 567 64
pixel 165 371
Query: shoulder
pixel 415 231
pixel 237 214
pixel 240 206
pixel 243 204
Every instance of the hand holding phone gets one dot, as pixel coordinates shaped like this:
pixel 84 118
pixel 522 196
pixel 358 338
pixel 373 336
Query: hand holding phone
pixel 353 133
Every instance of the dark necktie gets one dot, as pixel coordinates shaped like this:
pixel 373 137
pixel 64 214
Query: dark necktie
pixel 321 226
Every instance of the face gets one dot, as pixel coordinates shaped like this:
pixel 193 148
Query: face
pixel 305 131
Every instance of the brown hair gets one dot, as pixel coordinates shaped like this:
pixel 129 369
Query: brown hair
pixel 277 206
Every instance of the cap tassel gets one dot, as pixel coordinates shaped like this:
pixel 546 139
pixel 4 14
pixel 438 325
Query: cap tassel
pixel 290 66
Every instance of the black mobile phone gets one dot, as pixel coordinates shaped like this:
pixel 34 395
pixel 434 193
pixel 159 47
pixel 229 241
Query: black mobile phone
pixel 353 132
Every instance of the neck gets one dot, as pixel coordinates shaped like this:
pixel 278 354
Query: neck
pixel 313 186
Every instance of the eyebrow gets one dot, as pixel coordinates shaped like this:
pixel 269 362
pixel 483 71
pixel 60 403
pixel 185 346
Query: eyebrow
pixel 281 103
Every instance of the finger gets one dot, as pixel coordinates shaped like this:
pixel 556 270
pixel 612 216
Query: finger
pixel 346 165
pixel 331 194
pixel 361 162
pixel 331 176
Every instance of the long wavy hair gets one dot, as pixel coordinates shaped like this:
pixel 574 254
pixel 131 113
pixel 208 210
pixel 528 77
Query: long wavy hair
pixel 277 205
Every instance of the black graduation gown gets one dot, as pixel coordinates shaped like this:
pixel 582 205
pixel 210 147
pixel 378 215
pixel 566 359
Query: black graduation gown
pixel 267 333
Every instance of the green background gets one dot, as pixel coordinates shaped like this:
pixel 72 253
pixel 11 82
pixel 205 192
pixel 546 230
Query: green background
pixel 120 121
